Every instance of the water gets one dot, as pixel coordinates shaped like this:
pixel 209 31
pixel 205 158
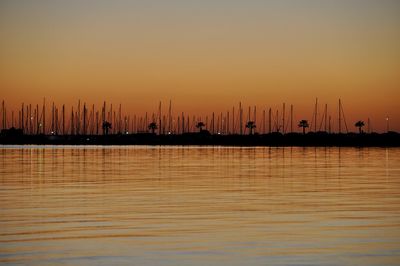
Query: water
pixel 199 206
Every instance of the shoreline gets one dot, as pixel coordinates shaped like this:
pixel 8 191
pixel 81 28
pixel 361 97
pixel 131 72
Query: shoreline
pixel 319 139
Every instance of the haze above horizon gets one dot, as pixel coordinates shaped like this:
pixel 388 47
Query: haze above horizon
pixel 204 55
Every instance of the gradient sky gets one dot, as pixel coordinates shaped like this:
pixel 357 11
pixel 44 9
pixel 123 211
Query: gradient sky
pixel 205 55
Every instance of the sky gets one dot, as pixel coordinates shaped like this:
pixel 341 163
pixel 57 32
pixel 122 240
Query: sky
pixel 205 55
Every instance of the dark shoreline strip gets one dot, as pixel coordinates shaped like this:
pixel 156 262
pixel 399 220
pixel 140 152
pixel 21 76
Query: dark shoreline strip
pixel 391 139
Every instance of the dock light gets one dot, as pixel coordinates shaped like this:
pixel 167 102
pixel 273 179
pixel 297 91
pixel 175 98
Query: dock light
pixel 219 133
pixel 52 132
pixel 169 132
pixel 387 123
pixel 126 132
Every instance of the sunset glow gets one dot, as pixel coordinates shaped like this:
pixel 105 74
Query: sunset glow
pixel 205 56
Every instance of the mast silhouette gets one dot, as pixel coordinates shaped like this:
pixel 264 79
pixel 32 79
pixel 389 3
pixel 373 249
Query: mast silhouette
pixel 31 118
pixel 326 114
pixel 270 121
pixel 240 118
pixel 283 118
pixel 159 118
pixel 44 116
pixel 22 118
pixel 340 117
pixel 37 120
pixel 315 113
pixel 291 118
pixel 63 119
pixel 3 123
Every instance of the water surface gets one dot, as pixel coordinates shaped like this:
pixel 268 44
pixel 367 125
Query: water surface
pixel 199 206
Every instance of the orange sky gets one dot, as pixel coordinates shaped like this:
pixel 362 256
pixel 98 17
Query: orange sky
pixel 205 55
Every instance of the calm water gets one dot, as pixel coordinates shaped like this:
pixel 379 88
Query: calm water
pixel 199 206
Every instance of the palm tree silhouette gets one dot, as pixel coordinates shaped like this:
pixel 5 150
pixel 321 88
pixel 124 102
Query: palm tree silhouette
pixel 152 127
pixel 250 125
pixel 304 125
pixel 359 124
pixel 106 126
pixel 200 125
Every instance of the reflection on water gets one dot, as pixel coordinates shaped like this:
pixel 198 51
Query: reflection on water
pixel 199 206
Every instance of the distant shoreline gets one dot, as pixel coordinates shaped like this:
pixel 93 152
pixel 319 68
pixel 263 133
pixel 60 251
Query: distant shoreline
pixel 320 139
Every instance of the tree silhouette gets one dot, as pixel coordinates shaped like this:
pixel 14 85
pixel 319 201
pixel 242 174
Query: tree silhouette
pixel 304 124
pixel 250 125
pixel 200 126
pixel 106 126
pixel 152 127
pixel 359 124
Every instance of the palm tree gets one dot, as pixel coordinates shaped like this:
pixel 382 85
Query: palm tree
pixel 304 125
pixel 250 125
pixel 106 126
pixel 200 125
pixel 152 127
pixel 359 124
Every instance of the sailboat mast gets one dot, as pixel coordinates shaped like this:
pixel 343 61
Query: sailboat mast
pixel 240 118
pixel 119 118
pixel 78 119
pixel 283 118
pixel 291 118
pixel 37 120
pixel 315 113
pixel 169 117
pixel 30 119
pixel 3 115
pixel 72 121
pixel 91 121
pixel 183 123
pixel 26 122
pixel 330 128
pixel 227 123
pixel 326 116
pixel 233 120
pixel 213 123
pixel 159 119
pixel 269 120
pixel 84 119
pixel 44 116
pixel 52 119
pixel 344 117
pixel 103 112
pixel 63 119
pixel 97 122
pixel 110 119
pixel 22 118
pixel 56 120
pixel 340 117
